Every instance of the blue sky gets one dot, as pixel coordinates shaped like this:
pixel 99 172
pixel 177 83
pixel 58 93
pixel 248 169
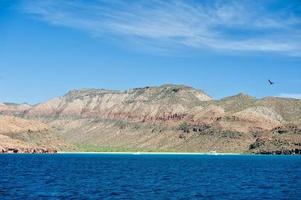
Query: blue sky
pixel 221 47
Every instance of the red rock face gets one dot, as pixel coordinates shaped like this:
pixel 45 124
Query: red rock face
pixel 28 150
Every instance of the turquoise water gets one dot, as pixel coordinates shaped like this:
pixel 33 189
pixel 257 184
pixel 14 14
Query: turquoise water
pixel 100 176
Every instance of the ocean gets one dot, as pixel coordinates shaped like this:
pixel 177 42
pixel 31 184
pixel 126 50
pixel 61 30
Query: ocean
pixel 126 176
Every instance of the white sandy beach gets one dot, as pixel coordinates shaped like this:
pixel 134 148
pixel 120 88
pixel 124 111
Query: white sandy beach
pixel 152 153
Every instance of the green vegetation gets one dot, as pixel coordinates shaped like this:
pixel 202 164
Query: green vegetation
pixel 95 148
pixel 184 127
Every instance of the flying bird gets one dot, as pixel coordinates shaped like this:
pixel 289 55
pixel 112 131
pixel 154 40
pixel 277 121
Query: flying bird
pixel 271 82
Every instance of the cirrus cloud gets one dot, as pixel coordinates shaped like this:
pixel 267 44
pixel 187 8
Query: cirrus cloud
pixel 290 95
pixel 225 26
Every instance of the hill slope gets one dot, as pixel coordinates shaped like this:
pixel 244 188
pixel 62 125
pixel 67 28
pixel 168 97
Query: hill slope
pixel 23 135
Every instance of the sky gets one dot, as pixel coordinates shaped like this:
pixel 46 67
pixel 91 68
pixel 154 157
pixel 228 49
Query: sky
pixel 221 47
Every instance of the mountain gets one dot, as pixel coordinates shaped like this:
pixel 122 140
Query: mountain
pixel 165 118
pixel 148 103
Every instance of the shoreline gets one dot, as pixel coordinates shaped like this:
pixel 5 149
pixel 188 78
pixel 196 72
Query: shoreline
pixel 152 153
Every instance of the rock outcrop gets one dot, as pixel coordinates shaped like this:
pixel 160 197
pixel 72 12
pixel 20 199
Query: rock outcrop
pixel 27 150
pixel 276 145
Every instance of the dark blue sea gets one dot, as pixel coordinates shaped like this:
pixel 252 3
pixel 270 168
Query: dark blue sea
pixel 100 176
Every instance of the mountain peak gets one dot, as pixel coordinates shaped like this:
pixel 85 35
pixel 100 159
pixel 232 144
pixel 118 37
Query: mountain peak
pixel 165 89
pixel 240 96
pixel 77 93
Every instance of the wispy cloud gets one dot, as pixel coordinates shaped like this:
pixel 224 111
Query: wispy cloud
pixel 291 95
pixel 233 26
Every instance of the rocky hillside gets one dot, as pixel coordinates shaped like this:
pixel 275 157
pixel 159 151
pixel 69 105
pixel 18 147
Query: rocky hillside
pixel 167 118
pixel 10 124
pixel 23 135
